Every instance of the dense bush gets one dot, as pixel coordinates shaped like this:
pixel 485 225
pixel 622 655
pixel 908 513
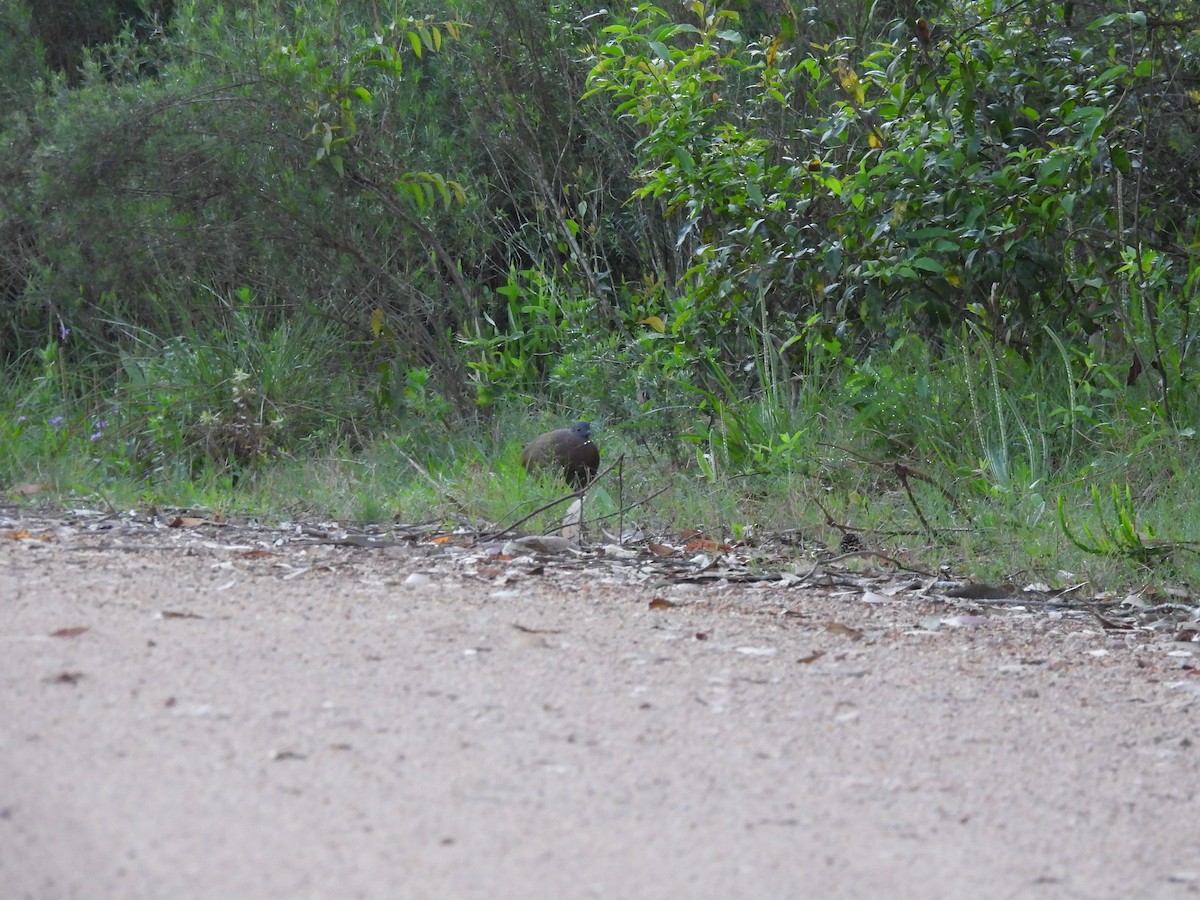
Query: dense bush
pixel 654 213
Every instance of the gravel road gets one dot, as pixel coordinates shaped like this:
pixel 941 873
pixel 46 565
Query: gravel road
pixel 206 718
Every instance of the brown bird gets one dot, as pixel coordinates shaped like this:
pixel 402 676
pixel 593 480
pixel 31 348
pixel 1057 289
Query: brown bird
pixel 570 449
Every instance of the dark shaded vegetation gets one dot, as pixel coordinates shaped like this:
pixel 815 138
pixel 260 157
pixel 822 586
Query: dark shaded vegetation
pixel 963 231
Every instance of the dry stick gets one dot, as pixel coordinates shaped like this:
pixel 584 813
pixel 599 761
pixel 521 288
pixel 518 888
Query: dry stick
pixel 635 504
pixel 579 494
pixel 847 529
pixel 621 504
pixel 910 471
pixel 844 529
pixel 441 489
pixel 902 472
pixel 864 554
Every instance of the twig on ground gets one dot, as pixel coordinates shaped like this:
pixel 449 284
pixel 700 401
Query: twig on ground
pixel 573 495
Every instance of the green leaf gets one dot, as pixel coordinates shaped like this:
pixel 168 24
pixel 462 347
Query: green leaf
pixel 1134 18
pixel 660 50
pixel 1110 74
pixel 1120 158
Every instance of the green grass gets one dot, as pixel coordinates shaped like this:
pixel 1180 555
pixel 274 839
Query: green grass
pixel 965 462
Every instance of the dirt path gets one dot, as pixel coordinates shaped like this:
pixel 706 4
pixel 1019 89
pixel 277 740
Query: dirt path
pixel 312 723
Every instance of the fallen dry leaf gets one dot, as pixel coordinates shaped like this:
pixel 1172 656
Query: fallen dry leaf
pixel 172 614
pixel 24 490
pixel 980 592
pixel 65 678
pixel 697 540
pixel 705 544
pixel 661 549
pixel 811 658
pixel 259 554
pixel 527 630
pixel 26 536
pixel 838 628
pixel 967 621
pixel 69 632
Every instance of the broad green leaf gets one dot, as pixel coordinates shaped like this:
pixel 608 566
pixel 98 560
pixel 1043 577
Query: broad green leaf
pixel 1109 74
pixel 1120 158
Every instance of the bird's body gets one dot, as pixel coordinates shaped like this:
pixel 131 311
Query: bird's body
pixel 571 450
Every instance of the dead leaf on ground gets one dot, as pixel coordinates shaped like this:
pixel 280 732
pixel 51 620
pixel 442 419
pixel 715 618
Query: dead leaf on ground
pixel 65 678
pixel 191 522
pixel 707 545
pixel 697 540
pixel 981 592
pixel 572 523
pixel 173 614
pixel 527 630
pixel 24 490
pixel 259 553
pixel 661 549
pixel 70 632
pixel 838 628
pixel 26 536
pixel 811 658
pixel 967 621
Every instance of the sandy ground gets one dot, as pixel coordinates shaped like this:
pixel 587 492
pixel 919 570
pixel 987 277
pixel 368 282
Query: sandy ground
pixel 312 723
